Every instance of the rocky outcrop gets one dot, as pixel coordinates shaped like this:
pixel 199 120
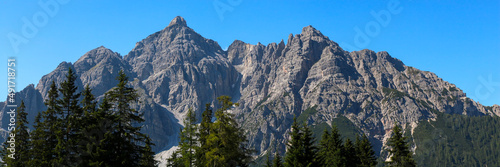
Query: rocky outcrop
pixel 32 100
pixel 176 68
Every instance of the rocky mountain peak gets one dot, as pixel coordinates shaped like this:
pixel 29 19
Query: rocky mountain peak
pixel 178 21
pixel 310 31
pixel 95 57
pixel 174 45
pixel 176 68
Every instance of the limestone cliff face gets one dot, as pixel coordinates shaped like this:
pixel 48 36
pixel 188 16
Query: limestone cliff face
pixel 176 68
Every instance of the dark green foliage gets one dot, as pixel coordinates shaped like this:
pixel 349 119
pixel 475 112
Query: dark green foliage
pixel 364 152
pixel 301 150
pixel 345 127
pixel 69 116
pixel 453 89
pixel 220 143
pixel 226 141
pixel 203 133
pixel 130 142
pixel 306 114
pixel 294 146
pixel 188 141
pixel 277 162
pixel 331 150
pixel 44 138
pixel 20 156
pixel 174 160
pixel 444 92
pixel 268 161
pixel 399 151
pixel 458 140
pixel 318 130
pixel 309 152
pixel 393 93
pixel 78 133
pixel 351 158
pixel 147 154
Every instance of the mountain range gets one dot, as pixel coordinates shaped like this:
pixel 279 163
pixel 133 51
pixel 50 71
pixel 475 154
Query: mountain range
pixel 308 76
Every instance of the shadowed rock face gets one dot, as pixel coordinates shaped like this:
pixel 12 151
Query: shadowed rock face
pixel 176 68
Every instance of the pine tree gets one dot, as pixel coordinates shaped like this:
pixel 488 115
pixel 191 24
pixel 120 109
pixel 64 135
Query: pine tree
pixel 277 162
pixel 174 160
pixel 268 161
pixel 309 152
pixel 188 141
pixel 364 152
pixel 147 159
pixel 350 153
pixel 69 115
pixel 37 142
pixel 44 138
pixel 401 156
pixel 20 156
pixel 295 148
pixel 331 152
pixel 130 142
pixel 203 133
pixel 227 142
pixel 101 139
pixel 88 142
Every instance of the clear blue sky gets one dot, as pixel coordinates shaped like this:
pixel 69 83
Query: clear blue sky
pixel 457 40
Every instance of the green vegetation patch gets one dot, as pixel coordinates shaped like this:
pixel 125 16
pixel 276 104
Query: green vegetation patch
pixel 413 71
pixel 453 89
pixel 458 140
pixel 262 101
pixel 346 127
pixel 306 114
pixel 393 93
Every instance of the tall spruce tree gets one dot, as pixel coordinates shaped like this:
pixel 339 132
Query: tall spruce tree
pixel 101 143
pixel 44 136
pixel 188 142
pixel 18 157
pixel 37 141
pixel 147 158
pixel 350 153
pixel 309 152
pixel 69 115
pixel 87 143
pixel 295 148
pixel 268 162
pixel 331 149
pixel 203 133
pixel 130 142
pixel 277 162
pixel 401 156
pixel 364 152
pixel 175 160
pixel 227 142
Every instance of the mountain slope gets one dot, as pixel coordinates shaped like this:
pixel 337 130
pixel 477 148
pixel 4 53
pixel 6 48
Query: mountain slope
pixel 310 77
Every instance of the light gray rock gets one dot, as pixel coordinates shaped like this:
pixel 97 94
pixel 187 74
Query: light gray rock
pixel 176 68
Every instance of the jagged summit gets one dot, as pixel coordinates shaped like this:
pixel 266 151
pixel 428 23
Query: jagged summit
pixel 176 68
pixel 311 31
pixel 178 21
pixel 96 56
